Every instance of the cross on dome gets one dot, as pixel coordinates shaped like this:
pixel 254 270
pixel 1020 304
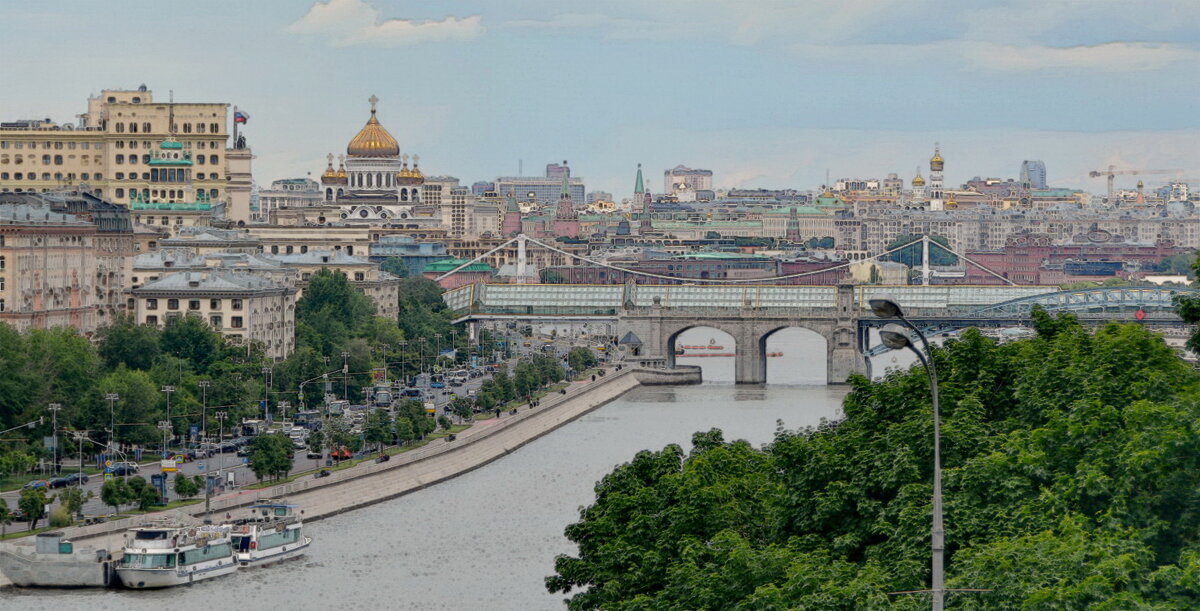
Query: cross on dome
pixel 373 100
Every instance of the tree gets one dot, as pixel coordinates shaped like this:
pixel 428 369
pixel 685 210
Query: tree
pixel 394 266
pixel 116 492
pixel 73 499
pixel 271 455
pixel 32 503
pixel 190 338
pixel 551 276
pixel 187 487
pixel 138 408
pixel 143 494
pixel 6 518
pixel 404 430
pixel 1070 464
pixel 378 428
pixel 461 406
pixel 912 254
pixel 124 342
pixel 580 358
pixel 444 423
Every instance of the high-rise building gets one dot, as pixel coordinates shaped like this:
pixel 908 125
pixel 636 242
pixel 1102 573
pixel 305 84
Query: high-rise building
pixel 113 150
pixel 557 171
pixel 1033 173
pixel 543 191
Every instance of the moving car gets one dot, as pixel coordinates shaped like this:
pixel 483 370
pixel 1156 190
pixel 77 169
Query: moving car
pixel 75 478
pixel 57 482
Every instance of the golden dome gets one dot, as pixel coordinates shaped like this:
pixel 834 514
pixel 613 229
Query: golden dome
pixel 329 173
pixel 918 181
pixel 341 173
pixel 416 172
pixel 373 140
pixel 405 172
pixel 936 163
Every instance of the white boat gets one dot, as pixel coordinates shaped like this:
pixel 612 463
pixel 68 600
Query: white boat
pixel 273 533
pixel 166 554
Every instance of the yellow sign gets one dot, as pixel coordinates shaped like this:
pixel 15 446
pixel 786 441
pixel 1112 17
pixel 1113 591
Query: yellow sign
pixel 108 463
pixel 168 465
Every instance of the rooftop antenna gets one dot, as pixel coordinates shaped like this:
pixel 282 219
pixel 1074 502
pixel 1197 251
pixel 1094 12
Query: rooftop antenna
pixel 520 167
pixel 171 115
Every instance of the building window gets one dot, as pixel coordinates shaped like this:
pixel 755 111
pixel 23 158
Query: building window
pixel 172 304
pixel 236 322
pixel 359 276
pixel 58 160
pixel 200 159
pixel 119 159
pixel 146 127
pixel 2 283
pixel 193 304
pixel 120 128
pixel 133 128
pixel 214 304
pixel 1 305
pixel 212 159
pixel 215 321
pixel 45 160
pixel 2 260
pixel 234 303
pixel 151 304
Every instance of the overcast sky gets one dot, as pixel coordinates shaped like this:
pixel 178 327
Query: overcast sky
pixel 765 93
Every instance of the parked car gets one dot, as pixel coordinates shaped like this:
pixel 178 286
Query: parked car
pixel 75 478
pixel 35 484
pixel 58 482
pixel 123 468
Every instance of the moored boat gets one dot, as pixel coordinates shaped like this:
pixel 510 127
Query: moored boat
pixel 54 562
pixel 274 532
pixel 166 553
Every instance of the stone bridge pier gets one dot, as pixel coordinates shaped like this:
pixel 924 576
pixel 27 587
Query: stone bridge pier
pixel 651 333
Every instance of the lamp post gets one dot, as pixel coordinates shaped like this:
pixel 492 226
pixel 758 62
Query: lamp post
pixel 204 384
pixel 112 399
pixel 345 375
pixel 403 377
pixel 54 409
pixel 266 371
pixel 167 390
pixel 895 337
pixel 220 416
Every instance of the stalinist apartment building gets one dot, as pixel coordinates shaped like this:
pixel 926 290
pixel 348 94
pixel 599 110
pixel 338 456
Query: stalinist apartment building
pixel 109 150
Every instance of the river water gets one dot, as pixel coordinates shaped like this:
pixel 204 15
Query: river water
pixel 486 539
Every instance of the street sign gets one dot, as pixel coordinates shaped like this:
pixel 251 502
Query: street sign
pixel 1140 314
pixel 108 476
pixel 168 465
pixel 108 463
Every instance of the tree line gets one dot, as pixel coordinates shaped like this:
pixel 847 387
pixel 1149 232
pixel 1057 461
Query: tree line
pixel 1071 475
pixel 134 362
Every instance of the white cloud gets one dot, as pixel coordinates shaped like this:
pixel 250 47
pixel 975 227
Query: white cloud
pixel 356 22
pixel 1106 57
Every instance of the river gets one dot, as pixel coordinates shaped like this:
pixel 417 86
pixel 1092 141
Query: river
pixel 486 539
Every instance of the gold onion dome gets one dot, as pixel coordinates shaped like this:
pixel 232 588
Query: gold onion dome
pixel 936 162
pixel 416 172
pixel 373 140
pixel 329 172
pixel 341 173
pixel 918 181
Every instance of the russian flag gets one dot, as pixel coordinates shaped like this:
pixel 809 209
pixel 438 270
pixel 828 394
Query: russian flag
pixel 240 117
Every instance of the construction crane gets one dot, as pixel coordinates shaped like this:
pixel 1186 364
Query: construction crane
pixel 1112 172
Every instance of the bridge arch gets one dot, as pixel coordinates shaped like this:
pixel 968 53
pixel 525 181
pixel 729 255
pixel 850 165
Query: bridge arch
pixel 714 367
pixel 794 354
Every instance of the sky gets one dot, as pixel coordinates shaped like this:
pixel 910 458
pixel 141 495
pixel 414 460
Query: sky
pixel 765 93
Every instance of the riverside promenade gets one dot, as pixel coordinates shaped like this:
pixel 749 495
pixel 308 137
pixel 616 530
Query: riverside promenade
pixel 370 482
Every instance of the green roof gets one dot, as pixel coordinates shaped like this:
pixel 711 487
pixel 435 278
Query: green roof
pixel 170 144
pixel 446 265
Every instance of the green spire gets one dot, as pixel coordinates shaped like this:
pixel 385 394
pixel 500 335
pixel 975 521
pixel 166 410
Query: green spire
pixel 512 202
pixel 639 187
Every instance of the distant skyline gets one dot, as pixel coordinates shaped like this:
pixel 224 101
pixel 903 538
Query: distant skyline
pixel 764 93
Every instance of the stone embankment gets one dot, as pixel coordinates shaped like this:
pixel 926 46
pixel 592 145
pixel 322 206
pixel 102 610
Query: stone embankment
pixel 371 482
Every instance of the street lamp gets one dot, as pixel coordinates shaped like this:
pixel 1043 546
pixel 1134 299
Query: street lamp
pixel 54 409
pixel 266 371
pixel 345 375
pixel 167 390
pixel 204 384
pixel 112 399
pixel 403 377
pixel 896 337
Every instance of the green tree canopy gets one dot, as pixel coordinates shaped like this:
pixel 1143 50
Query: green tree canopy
pixel 124 342
pixel 271 456
pixel 191 339
pixel 1072 470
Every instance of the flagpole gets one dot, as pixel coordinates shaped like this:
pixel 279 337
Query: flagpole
pixel 235 124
